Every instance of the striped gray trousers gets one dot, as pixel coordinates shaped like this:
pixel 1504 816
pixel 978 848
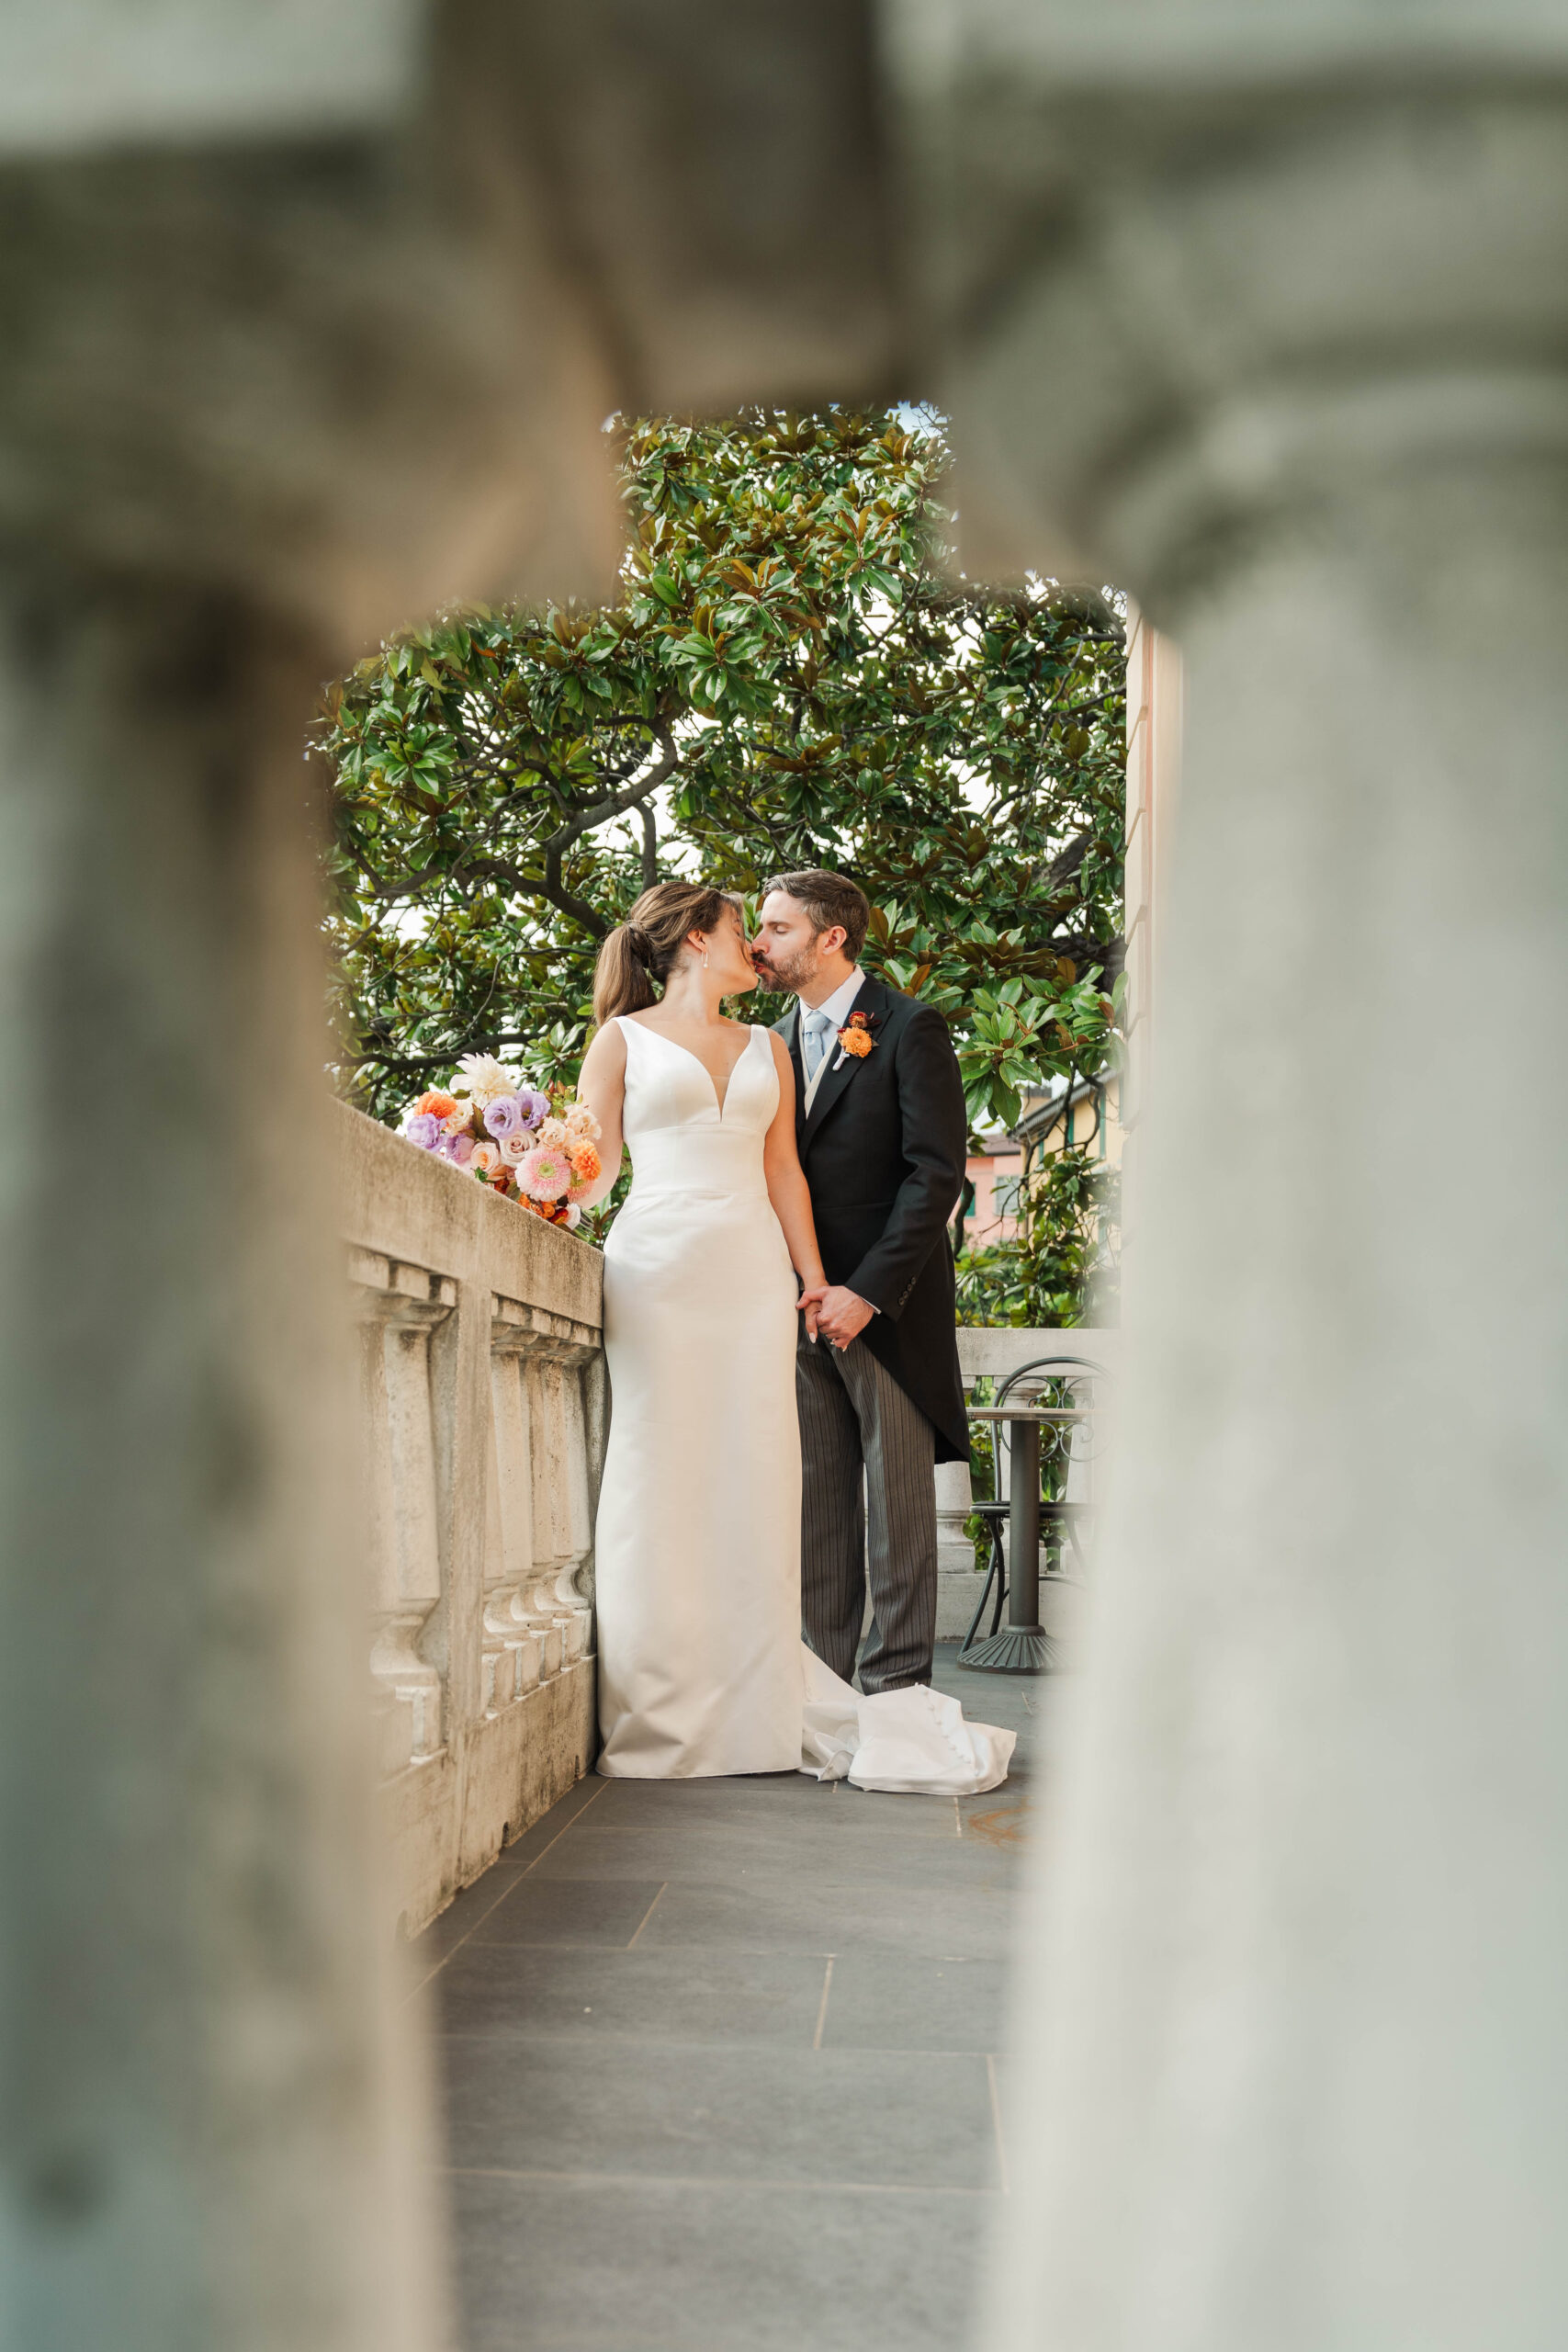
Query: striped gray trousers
pixel 865 1450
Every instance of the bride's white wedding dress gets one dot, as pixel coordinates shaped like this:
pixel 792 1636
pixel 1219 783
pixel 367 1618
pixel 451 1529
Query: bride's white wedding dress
pixel 702 1670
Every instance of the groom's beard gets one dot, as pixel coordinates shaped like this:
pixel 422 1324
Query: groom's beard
pixel 794 972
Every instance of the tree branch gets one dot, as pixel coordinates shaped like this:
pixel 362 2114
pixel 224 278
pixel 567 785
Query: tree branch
pixel 588 820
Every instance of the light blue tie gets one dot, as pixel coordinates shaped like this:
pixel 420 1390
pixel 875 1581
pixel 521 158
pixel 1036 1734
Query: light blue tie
pixel 814 1044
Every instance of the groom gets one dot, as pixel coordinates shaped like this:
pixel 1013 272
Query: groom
pixel 879 1118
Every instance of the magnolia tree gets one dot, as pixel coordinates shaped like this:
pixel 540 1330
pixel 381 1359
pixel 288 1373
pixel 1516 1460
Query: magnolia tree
pixel 792 675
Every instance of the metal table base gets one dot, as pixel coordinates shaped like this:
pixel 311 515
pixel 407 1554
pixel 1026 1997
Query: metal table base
pixel 1022 1644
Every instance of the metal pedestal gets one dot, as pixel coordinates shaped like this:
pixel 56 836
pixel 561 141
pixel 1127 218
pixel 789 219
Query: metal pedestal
pixel 1022 1644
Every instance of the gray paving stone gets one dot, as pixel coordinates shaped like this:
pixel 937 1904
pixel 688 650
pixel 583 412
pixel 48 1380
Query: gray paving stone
pixel 588 2265
pixel 674 1997
pixel 796 1916
pixel 458 1921
pixel 901 2000
pixel 1005 1818
pixel 722 2112
pixel 772 1800
pixel 650 2153
pixel 748 1851
pixel 537 1910
pixel 461 1918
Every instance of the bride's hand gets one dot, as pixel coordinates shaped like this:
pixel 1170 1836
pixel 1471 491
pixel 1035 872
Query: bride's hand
pixel 808 1302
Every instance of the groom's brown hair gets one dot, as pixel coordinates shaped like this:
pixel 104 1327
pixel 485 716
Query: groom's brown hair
pixel 827 899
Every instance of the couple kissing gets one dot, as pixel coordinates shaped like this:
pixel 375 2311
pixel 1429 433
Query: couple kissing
pixel 779 1326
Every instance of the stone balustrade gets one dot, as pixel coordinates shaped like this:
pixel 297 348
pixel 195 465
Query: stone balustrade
pixel 482 1415
pixel 483 1405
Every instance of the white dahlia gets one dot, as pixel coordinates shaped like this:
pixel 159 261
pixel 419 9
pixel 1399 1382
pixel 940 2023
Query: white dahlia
pixel 484 1080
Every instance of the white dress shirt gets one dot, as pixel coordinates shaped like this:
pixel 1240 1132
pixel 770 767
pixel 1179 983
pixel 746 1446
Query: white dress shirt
pixel 837 1008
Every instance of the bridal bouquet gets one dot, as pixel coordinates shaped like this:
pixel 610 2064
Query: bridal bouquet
pixel 534 1147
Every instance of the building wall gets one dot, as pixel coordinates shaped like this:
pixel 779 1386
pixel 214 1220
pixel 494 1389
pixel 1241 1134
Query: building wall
pixel 1154 764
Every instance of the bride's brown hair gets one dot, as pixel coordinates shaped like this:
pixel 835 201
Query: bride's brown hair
pixel 647 946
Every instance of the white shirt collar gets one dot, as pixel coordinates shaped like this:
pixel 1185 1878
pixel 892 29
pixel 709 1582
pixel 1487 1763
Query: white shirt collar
pixel 837 1006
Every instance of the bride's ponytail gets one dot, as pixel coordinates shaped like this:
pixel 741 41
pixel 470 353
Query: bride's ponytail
pixel 648 948
pixel 622 982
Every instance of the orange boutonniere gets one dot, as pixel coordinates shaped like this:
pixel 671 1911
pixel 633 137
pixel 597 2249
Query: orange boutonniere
pixel 856 1037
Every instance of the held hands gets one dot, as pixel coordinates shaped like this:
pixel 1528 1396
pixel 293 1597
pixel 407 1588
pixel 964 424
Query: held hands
pixel 837 1313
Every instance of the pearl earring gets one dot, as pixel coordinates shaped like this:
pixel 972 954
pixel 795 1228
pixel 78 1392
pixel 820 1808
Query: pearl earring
pixel 705 959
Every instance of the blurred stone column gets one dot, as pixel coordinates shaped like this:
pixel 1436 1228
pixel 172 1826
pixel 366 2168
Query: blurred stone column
pixel 310 316
pixel 1262 313
pixel 204 2119
pixel 267 388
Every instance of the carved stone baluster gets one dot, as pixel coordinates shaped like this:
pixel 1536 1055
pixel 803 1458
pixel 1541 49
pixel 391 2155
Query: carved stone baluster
pixel 509 1545
pixel 550 1462
pixel 398 1307
pixel 559 1446
pixel 572 1590
pixel 498 1662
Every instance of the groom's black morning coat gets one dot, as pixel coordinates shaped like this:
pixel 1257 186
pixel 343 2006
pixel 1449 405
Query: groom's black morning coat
pixel 883 1149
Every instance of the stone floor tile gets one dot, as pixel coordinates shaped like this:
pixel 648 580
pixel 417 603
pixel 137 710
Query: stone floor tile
pixel 676 1997
pixel 537 1910
pixel 721 2111
pixel 457 1922
pixel 1004 1819
pixel 860 1854
pixel 773 1800
pixel 716 2138
pixel 461 1920
pixel 796 1916
pixel 908 2001
pixel 668 2267
pixel 526 1849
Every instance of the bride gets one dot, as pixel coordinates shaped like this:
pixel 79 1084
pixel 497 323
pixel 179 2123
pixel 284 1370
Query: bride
pixel 702 1670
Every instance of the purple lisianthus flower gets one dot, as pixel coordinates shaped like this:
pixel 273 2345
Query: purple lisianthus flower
pixel 424 1130
pixel 534 1106
pixel 504 1115
pixel 459 1148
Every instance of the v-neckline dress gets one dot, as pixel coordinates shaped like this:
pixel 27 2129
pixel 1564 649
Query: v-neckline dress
pixel 697 1549
pixel 702 1668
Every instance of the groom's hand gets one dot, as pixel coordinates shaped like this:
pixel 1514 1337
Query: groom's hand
pixel 841 1314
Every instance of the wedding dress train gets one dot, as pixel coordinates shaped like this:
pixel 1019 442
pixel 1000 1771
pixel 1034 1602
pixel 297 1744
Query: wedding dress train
pixel 702 1671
